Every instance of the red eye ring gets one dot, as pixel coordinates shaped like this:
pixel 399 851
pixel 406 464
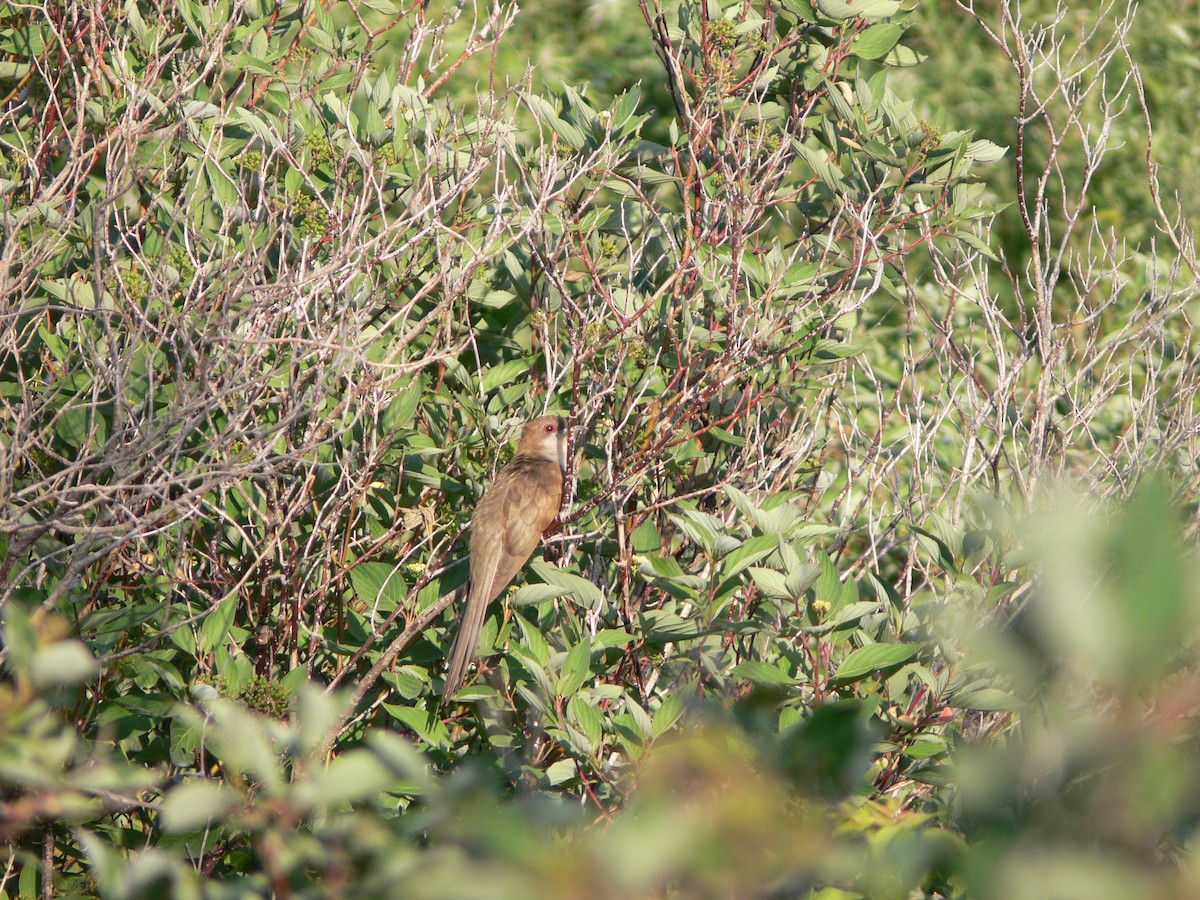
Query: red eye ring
pixel 550 428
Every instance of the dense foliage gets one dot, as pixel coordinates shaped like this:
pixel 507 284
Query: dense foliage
pixel 280 280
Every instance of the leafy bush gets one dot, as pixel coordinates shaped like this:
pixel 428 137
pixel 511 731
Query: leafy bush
pixel 279 280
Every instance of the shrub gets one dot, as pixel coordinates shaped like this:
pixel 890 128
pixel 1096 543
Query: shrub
pixel 280 279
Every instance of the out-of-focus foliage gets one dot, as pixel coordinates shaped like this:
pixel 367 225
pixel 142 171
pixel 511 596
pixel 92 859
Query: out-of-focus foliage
pixel 1095 791
pixel 277 283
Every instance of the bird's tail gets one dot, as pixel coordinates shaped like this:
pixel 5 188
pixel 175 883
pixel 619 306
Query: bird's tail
pixel 466 642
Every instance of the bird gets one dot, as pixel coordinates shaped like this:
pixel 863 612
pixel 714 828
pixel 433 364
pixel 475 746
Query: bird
pixel 510 519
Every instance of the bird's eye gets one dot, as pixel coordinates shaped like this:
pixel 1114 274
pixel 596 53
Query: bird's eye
pixel 551 428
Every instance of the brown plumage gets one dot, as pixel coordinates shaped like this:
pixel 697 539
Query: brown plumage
pixel 509 521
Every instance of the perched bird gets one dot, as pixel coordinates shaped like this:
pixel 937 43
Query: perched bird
pixel 509 521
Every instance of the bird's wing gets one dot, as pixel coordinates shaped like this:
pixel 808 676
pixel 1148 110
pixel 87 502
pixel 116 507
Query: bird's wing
pixel 507 525
pixel 525 499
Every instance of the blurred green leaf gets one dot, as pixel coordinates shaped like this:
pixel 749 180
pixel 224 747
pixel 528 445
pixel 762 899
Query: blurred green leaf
pixel 196 804
pixel 62 664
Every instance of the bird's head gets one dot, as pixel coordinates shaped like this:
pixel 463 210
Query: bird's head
pixel 546 438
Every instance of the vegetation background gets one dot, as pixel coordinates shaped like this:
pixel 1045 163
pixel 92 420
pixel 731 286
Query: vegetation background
pixel 877 576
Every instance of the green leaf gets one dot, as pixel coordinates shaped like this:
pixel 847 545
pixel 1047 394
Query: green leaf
pixel 986 699
pixel 874 658
pixel 829 587
pixel 62 664
pixel 73 425
pixel 977 243
pixel 861 9
pixel 853 612
pixel 700 527
pixel 424 722
pixel 937 548
pixel 409 681
pixel 379 585
pixel 589 719
pixel 579 588
pixel 534 641
pixel 771 583
pixel 664 566
pixel 502 374
pixel 217 624
pixel 817 159
pixel 400 412
pixel 668 713
pixel 762 673
pixel 612 637
pixel 254 123
pixel 545 113
pixel 576 668
pixel 802 8
pixel 985 151
pixel 901 56
pixel 541 679
pixel 749 553
pixel 495 299
pixel 532 594
pixel 639 717
pixel 239 738
pixel 645 538
pixel 877 40
pixel 195 803
pixel 660 626
pixel 224 190
pixel 801 578
pixel 352 777
pixel 561 771
pixel 924 749
pixel 293 180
